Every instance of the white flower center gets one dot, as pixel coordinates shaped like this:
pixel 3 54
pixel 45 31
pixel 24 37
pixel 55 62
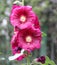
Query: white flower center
pixel 22 19
pixel 28 39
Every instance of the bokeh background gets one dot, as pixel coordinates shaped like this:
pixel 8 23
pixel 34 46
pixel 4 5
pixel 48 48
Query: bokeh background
pixel 47 13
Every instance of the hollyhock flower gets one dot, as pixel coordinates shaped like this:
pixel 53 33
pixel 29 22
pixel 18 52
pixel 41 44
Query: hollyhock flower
pixel 28 39
pixel 36 23
pixel 27 25
pixel 18 56
pixel 16 48
pixel 41 59
pixel 22 16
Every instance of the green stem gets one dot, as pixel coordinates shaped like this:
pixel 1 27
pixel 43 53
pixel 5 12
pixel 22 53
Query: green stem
pixel 23 2
pixel 28 60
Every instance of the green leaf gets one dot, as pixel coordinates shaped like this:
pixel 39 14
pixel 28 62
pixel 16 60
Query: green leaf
pixel 52 63
pixel 48 61
pixel 44 34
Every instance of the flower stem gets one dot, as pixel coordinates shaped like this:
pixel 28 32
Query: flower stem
pixel 28 60
pixel 23 2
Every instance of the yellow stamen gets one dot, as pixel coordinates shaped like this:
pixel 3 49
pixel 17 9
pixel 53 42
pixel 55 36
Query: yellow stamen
pixel 28 39
pixel 22 19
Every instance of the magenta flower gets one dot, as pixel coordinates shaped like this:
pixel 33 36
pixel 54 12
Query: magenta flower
pixel 28 39
pixel 16 49
pixel 27 34
pixel 41 59
pixel 36 23
pixel 29 24
pixel 21 16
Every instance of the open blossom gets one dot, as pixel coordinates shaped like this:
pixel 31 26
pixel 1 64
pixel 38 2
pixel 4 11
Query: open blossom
pixel 21 16
pixel 29 24
pixel 28 39
pixel 17 49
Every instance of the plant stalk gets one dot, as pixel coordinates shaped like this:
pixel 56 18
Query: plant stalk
pixel 23 2
pixel 28 60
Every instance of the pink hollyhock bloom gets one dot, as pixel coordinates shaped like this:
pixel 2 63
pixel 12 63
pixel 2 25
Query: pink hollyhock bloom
pixel 16 48
pixel 29 24
pixel 28 39
pixel 36 23
pixel 21 16
pixel 41 59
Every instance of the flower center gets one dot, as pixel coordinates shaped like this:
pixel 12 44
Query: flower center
pixel 22 19
pixel 28 39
